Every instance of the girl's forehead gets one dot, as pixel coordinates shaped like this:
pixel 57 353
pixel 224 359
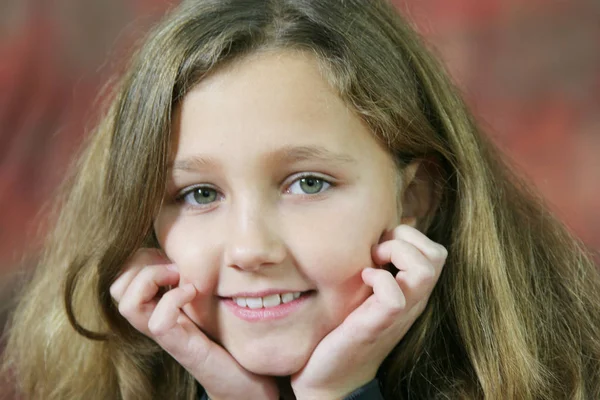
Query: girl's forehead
pixel 288 78
pixel 271 97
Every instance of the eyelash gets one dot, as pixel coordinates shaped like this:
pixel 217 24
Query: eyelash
pixel 180 198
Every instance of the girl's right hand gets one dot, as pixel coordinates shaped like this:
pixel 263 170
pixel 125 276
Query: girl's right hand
pixel 160 317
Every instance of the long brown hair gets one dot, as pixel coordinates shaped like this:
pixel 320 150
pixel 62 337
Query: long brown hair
pixel 515 314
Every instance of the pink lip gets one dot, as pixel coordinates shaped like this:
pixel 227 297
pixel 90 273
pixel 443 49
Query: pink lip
pixel 266 314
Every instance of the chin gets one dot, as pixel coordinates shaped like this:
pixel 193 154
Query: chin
pixel 273 362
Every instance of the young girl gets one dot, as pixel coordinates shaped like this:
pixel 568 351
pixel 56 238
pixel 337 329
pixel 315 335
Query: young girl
pixel 264 212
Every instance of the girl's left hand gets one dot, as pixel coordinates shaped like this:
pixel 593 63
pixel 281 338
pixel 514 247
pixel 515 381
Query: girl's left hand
pixel 350 355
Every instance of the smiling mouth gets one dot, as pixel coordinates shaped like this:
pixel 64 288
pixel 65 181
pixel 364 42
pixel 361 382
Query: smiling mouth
pixel 269 301
pixel 271 307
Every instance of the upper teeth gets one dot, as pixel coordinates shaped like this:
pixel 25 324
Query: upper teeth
pixel 267 301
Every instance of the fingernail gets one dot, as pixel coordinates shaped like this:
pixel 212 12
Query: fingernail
pixel 368 270
pixel 190 288
pixel 172 267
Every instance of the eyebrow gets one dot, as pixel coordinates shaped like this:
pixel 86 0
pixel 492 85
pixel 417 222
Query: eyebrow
pixel 286 154
pixel 310 153
pixel 191 164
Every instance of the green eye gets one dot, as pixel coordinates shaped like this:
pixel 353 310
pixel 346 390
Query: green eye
pixel 204 196
pixel 309 185
pixel 200 196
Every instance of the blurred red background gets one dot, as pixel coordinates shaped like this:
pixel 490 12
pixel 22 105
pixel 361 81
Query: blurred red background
pixel 530 69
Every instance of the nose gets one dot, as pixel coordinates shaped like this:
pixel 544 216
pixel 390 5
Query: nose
pixel 253 241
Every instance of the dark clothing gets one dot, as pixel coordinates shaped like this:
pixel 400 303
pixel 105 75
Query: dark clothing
pixel 370 391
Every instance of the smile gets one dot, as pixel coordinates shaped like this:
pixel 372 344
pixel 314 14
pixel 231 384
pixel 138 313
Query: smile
pixel 267 301
pixel 270 307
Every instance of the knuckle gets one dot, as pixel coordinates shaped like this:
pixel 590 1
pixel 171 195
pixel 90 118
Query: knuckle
pixel 440 253
pixel 127 309
pixel 156 327
pixel 395 305
pixel 383 325
pixel 146 274
pixel 169 299
pixel 423 279
pixel 428 276
pixel 396 309
pixel 443 251
pixel 114 293
pixel 390 317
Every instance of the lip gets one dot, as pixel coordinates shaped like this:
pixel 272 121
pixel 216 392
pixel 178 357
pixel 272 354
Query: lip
pixel 281 311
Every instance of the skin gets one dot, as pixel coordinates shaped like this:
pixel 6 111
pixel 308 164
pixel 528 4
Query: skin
pixel 245 134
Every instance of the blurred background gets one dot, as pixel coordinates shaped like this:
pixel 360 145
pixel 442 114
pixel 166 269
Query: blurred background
pixel 530 70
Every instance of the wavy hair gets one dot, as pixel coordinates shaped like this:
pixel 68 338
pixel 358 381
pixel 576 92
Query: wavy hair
pixel 515 314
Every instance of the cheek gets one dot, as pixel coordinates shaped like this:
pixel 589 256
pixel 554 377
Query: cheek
pixel 331 262
pixel 193 253
pixel 332 253
pixel 334 269
pixel 339 245
pixel 197 259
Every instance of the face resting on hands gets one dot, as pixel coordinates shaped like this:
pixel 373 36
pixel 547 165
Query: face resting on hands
pixel 275 188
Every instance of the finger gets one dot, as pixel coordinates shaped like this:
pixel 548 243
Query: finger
pixel 380 310
pixel 141 258
pixel 146 284
pixel 140 298
pixel 416 276
pixel 172 329
pixel 432 250
pixel 385 288
pixel 402 254
pixel 117 289
pixel 168 310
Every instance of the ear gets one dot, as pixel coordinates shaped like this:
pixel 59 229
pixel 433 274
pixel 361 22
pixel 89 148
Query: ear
pixel 420 192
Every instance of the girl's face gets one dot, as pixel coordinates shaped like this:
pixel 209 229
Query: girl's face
pixel 275 189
